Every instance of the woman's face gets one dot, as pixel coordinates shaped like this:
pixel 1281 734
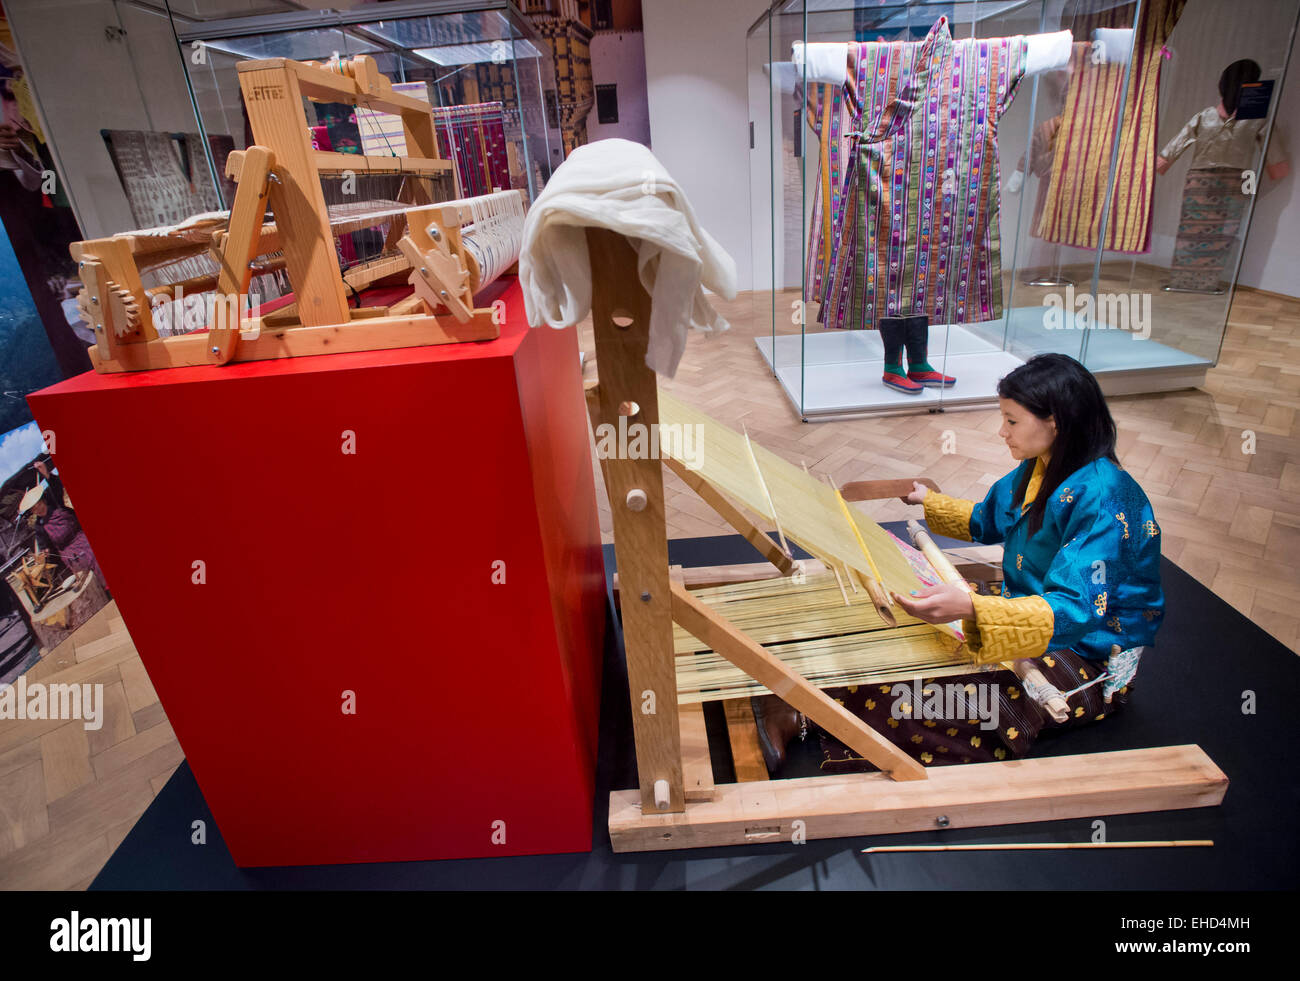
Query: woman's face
pixel 1026 435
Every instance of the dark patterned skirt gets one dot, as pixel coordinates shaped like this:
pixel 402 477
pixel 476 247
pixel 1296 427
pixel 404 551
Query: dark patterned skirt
pixel 971 718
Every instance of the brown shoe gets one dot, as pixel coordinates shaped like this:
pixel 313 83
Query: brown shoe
pixel 778 723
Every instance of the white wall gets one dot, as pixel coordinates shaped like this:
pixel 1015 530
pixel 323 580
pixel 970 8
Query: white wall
pixel 696 80
pixel 1273 244
pixel 618 58
pixel 85 82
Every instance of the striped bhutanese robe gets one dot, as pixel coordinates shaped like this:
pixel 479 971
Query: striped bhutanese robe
pixel 1094 120
pixel 831 119
pixel 921 229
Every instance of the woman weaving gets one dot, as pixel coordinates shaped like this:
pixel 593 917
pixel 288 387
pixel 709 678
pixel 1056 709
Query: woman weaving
pixel 1082 589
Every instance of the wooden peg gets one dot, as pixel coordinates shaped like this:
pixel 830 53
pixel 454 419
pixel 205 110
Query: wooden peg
pixel 661 794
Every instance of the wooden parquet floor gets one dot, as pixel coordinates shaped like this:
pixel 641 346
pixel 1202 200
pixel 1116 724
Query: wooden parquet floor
pixel 69 795
pixel 1229 518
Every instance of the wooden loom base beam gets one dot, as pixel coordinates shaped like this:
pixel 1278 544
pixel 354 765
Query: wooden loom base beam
pixel 697 765
pixel 978 795
pixel 698 577
pixel 746 750
pixel 370 330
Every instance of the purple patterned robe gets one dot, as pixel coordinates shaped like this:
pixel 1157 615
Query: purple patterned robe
pixel 921 233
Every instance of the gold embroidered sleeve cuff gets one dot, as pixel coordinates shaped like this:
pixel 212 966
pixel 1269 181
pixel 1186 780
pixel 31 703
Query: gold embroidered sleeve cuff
pixel 949 516
pixel 1008 629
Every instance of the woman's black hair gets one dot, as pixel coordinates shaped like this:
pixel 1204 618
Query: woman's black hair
pixel 1233 77
pixel 1054 386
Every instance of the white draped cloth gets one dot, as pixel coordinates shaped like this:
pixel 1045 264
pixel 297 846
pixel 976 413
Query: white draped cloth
pixel 621 186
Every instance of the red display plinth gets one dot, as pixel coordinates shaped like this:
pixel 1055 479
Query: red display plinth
pixel 411 534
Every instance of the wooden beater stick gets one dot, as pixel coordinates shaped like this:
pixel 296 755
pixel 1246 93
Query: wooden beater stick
pixel 1024 669
pixel 1044 846
pixel 882 601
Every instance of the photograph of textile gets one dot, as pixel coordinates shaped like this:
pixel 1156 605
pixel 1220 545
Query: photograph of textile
pixel 1101 112
pixel 381 132
pixel 38 220
pixel 474 137
pixel 165 175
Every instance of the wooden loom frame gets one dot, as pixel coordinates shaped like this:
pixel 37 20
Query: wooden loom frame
pixel 283 171
pixel 677 804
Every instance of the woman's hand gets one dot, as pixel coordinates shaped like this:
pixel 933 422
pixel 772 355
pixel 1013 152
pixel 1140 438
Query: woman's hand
pixel 919 490
pixel 938 604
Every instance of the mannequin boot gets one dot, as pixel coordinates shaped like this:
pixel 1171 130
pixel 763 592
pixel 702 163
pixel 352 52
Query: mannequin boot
pixel 778 723
pixel 893 333
pixel 919 370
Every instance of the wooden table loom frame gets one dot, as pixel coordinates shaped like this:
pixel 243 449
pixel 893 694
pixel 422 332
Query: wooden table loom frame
pixel 283 171
pixel 677 804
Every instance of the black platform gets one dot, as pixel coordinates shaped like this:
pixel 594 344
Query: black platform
pixel 1190 690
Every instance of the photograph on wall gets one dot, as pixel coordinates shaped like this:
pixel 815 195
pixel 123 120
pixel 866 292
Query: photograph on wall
pixel 52 583
pixel 37 214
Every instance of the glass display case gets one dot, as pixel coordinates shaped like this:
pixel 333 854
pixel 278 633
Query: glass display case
pixel 1020 190
pixel 146 143
pixel 463 57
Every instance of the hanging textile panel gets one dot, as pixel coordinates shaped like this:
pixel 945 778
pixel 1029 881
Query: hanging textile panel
pixel 474 137
pixel 1099 114
pixel 165 175
pixel 829 118
pixel 382 134
pixel 921 235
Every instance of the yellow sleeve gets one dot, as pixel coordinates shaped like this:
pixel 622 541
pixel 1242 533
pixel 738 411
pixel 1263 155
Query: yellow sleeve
pixel 1008 629
pixel 949 516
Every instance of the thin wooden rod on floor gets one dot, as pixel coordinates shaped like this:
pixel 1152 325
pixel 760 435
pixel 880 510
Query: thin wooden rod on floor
pixel 1043 846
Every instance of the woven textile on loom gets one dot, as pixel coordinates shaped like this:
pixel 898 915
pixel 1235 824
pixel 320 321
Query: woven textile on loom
pixel 474 137
pixel 1091 125
pixel 822 625
pixel 805 507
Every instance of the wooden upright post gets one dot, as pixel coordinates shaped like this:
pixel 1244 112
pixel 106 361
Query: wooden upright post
pixel 620 310
pixel 421 141
pixel 273 98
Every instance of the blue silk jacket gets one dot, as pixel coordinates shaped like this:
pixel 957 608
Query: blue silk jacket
pixel 1089 578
